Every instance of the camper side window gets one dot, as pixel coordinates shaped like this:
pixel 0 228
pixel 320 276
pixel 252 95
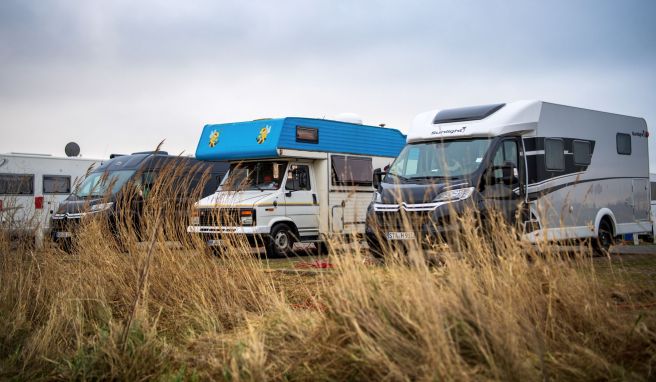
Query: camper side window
pixel 554 154
pixel 56 184
pixel 623 144
pixel 14 184
pixel 582 152
pixel 351 171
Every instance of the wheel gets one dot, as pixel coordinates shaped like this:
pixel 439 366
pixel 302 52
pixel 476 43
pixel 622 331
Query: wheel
pixel 374 247
pixel 281 241
pixel 604 238
pixel 322 247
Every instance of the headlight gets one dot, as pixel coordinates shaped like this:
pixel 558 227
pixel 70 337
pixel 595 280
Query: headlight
pixel 454 195
pixel 195 216
pixel 247 217
pixel 101 206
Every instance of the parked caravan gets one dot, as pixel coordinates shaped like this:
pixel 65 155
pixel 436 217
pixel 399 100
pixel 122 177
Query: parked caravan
pixel 100 192
pixel 291 180
pixel 558 172
pixel 31 188
pixel 652 183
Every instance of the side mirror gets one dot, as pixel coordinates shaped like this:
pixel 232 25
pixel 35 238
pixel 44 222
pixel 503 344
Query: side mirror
pixel 377 178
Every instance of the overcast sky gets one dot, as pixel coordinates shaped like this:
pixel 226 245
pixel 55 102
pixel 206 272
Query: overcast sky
pixel 119 76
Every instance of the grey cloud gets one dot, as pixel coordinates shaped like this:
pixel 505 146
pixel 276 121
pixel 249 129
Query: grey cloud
pixel 80 69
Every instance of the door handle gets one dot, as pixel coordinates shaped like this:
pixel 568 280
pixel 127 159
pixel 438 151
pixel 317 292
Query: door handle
pixel 314 198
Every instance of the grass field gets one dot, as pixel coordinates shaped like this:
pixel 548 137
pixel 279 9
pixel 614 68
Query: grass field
pixel 485 307
pixel 64 316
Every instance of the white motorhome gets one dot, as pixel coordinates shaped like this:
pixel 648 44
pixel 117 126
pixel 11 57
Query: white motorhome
pixel 560 172
pixel 31 188
pixel 291 180
pixel 652 182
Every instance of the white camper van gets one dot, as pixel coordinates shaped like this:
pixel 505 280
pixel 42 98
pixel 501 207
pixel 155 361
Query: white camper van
pixel 31 188
pixel 652 182
pixel 563 172
pixel 291 179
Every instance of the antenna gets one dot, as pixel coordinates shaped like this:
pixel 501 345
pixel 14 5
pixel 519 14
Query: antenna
pixel 72 149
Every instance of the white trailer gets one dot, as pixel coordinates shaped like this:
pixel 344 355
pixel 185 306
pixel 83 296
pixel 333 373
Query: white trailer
pixel 291 179
pixel 560 172
pixel 31 188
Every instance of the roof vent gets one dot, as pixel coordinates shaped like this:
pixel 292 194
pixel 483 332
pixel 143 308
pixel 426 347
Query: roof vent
pixel 72 149
pixel 349 118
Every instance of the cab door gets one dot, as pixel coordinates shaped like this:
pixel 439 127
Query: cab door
pixel 301 199
pixel 505 179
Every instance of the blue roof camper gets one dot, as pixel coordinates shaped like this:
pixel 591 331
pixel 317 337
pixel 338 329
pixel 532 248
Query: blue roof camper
pixel 291 179
pixel 269 138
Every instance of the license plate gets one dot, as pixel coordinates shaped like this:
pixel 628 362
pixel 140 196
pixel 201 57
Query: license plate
pixel 63 234
pixel 400 236
pixel 213 242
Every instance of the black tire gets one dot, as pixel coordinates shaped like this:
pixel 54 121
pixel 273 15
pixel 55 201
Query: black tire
pixel 375 247
pixel 281 241
pixel 604 239
pixel 322 248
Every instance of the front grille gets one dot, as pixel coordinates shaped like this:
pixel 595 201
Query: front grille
pixel 219 217
pixel 64 225
pixel 404 220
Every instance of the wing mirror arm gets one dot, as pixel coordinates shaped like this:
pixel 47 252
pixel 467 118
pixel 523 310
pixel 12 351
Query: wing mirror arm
pixel 377 178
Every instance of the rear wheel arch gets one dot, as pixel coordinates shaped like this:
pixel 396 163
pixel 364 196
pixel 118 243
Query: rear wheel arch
pixel 607 215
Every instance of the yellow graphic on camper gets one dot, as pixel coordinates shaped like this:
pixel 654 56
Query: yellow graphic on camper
pixel 214 138
pixel 264 132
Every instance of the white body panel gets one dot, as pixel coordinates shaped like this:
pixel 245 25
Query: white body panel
pixel 18 213
pixel 324 210
pixel 570 205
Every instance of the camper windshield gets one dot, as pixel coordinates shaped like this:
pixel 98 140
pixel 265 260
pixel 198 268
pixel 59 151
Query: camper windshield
pixel 254 176
pixel 439 159
pixel 103 183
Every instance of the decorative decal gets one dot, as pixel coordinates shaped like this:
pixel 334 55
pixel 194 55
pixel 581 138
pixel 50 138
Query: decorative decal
pixel 214 138
pixel 264 132
pixel 450 131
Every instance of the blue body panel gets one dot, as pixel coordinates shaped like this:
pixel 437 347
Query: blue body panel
pixel 263 138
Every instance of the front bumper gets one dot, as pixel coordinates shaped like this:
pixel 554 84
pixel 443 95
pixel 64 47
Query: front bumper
pixel 217 236
pixel 257 230
pixel 427 222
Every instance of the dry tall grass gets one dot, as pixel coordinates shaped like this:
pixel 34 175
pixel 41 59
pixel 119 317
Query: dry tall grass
pixel 491 310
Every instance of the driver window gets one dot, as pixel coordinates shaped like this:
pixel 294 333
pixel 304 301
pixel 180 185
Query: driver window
pixel 507 152
pixel 298 178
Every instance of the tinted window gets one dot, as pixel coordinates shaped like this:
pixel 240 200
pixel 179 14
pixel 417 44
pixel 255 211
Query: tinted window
pixel 440 159
pixel 582 152
pixel 14 184
pixel 554 154
pixel 56 184
pixel 307 134
pixel 471 113
pixel 653 190
pixel 300 182
pixel 351 171
pixel 507 152
pixel 623 144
